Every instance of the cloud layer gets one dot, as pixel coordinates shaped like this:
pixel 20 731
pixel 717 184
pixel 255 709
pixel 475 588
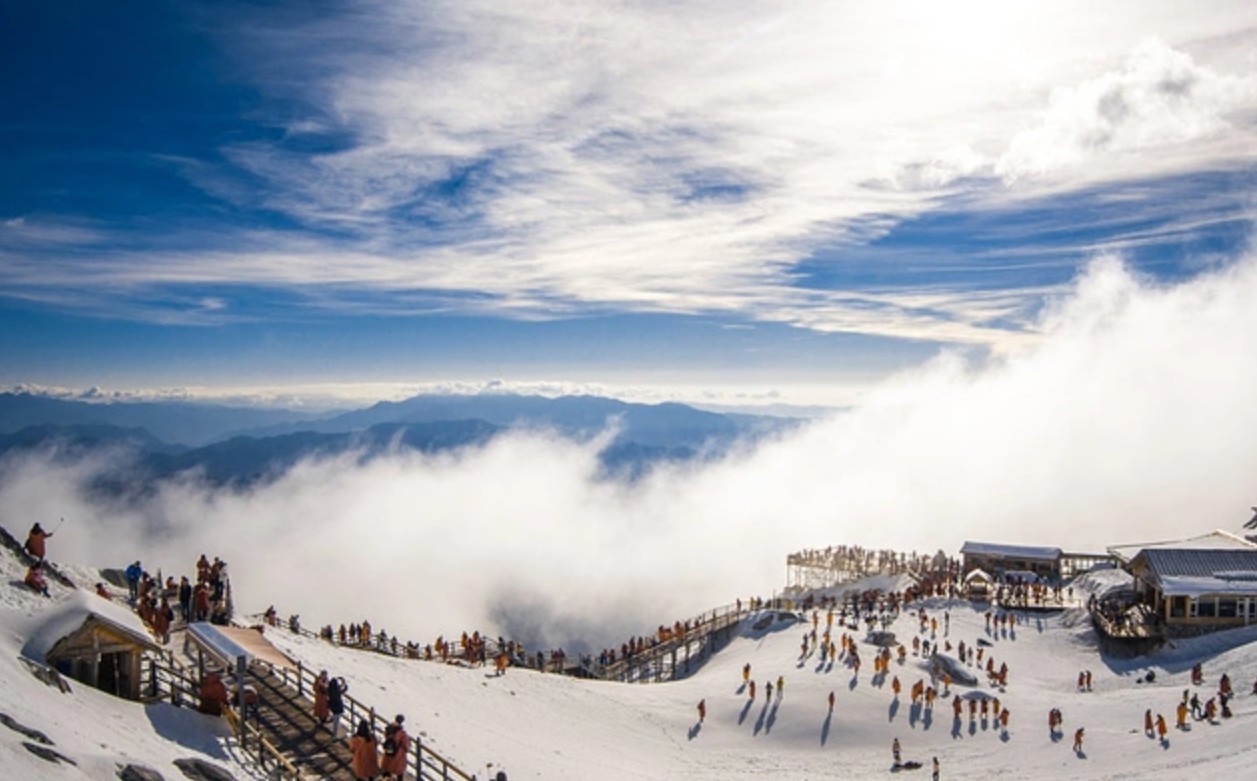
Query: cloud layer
pixel 525 161
pixel 1131 420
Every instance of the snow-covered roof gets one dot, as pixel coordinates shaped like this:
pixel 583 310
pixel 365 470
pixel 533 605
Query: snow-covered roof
pixel 229 643
pixel 971 548
pixel 68 616
pixel 979 574
pixel 1197 572
pixel 1199 587
pixel 1214 540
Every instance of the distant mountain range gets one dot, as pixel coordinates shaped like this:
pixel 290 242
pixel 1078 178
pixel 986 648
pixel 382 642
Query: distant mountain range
pixel 171 422
pixel 227 445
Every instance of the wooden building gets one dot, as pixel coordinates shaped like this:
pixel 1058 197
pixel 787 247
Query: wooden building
pixel 979 585
pixel 1197 589
pixel 95 641
pixel 999 559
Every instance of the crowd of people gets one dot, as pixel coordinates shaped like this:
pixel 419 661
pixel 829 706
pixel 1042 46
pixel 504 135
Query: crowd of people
pixel 852 562
pixel 384 756
pixel 154 598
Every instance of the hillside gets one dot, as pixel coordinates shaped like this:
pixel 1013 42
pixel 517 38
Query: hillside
pixel 537 726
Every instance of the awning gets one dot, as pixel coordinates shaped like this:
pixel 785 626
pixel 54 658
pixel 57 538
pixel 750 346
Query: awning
pixel 228 643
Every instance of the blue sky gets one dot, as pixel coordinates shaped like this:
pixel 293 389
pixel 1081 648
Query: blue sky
pixel 721 197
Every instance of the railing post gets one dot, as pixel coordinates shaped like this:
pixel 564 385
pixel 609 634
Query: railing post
pixel 301 681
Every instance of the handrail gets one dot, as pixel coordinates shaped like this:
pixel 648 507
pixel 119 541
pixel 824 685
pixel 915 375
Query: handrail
pixel 264 746
pixel 422 760
pixel 705 623
pixel 456 648
pixel 700 628
pixel 1151 629
pixel 179 684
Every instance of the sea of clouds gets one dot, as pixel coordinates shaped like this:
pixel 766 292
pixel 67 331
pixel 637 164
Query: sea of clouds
pixel 1132 418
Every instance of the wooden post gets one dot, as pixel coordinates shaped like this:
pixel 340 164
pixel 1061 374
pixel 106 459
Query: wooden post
pixel 301 681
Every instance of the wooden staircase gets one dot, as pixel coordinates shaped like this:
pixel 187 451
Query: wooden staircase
pixel 286 720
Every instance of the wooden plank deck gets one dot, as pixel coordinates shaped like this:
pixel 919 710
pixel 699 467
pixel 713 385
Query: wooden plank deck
pixel 287 720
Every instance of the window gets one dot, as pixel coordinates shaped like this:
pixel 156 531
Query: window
pixel 1206 608
pixel 1228 608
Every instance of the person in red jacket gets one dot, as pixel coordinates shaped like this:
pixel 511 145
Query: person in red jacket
pixel 394 764
pixel 366 752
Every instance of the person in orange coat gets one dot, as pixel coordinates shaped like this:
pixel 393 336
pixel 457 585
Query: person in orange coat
pixel 702 710
pixel 35 544
pixel 1161 727
pixel 366 752
pixel 35 579
pixel 322 711
pixel 394 765
pixel 214 696
pixel 162 617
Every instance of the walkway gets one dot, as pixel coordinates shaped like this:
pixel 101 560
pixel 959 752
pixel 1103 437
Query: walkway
pixel 286 719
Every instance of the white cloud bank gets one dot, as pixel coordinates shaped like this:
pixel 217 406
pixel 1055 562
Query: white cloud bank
pixel 1132 420
pixel 1160 100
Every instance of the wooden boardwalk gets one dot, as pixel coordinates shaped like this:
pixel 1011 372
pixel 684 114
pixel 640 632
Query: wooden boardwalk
pixel 286 720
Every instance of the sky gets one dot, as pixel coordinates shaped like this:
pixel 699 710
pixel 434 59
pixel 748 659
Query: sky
pixel 731 201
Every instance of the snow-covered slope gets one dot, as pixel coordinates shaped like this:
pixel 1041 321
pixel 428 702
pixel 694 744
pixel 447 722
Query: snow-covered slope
pixel 98 732
pixel 544 727
pixel 537 726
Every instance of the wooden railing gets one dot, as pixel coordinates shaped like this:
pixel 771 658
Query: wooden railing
pixel 164 679
pixel 630 668
pixel 633 668
pixel 1142 625
pixel 427 764
pixel 455 647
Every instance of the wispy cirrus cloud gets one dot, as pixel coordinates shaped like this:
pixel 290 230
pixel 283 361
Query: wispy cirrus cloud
pixel 527 161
